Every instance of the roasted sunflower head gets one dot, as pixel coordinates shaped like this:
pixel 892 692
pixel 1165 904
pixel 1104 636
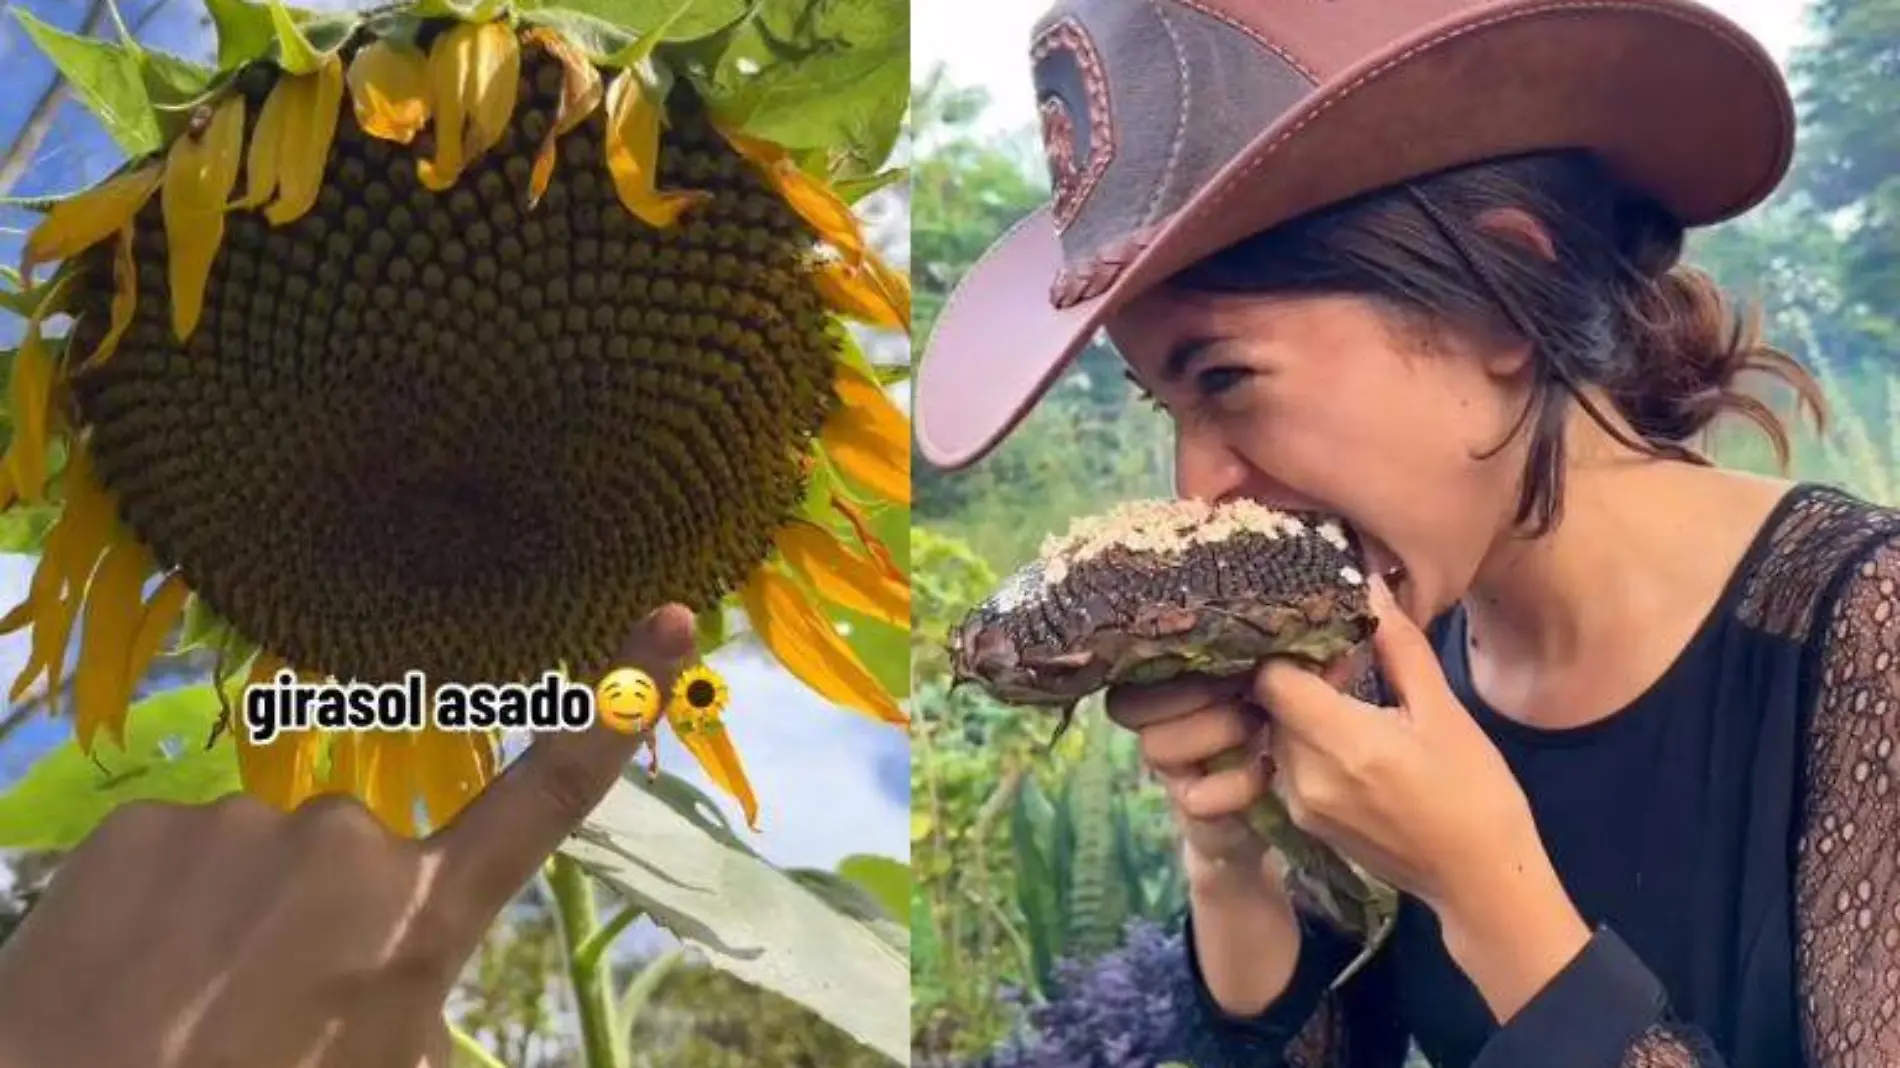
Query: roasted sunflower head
pixel 447 341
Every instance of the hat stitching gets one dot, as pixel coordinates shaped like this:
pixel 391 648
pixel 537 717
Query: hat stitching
pixel 1088 280
pixel 1070 195
pixel 1254 32
pixel 1094 269
pixel 1227 190
pixel 1181 116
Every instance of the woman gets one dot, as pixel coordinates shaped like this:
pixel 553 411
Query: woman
pixel 1637 779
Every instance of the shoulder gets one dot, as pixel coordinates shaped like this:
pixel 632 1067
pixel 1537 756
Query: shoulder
pixel 1823 556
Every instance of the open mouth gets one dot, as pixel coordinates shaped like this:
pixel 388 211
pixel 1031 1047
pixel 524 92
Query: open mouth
pixel 1379 560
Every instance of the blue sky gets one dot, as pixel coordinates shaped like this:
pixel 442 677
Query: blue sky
pixel 830 782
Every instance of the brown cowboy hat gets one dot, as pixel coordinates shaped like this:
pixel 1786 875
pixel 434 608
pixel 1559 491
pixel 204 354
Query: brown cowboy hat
pixel 1176 127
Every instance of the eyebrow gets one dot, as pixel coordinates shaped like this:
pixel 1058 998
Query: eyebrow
pixel 1183 353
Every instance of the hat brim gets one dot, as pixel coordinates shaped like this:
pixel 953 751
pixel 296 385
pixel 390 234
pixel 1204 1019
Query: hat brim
pixel 1675 99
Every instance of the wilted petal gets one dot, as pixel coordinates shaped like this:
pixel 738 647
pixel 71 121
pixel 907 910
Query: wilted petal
pixel 633 155
pixel 125 298
pixel 390 90
pixel 841 576
pixel 113 611
pixel 76 224
pixel 709 743
pixel 866 293
pixel 868 437
pixel 29 396
pixel 160 613
pixel 814 201
pixel 474 73
pixel 312 103
pixel 804 641
pixel 581 93
pixel 878 550
pixel 199 173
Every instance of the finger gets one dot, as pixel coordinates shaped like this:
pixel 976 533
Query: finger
pixel 1405 655
pixel 1229 792
pixel 1302 704
pixel 1183 743
pixel 1140 705
pixel 504 836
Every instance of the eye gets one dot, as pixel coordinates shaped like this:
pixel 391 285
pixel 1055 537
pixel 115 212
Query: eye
pixel 1214 381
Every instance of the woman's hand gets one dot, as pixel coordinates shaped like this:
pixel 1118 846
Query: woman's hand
pixel 1420 796
pixel 235 934
pixel 1181 726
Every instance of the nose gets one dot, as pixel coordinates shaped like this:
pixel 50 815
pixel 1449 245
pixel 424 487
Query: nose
pixel 1207 469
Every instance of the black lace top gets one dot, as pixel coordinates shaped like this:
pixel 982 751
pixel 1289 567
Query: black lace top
pixel 1733 836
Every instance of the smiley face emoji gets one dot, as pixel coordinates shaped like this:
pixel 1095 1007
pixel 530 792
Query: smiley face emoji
pixel 627 700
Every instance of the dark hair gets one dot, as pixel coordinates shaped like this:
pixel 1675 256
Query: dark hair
pixel 1614 309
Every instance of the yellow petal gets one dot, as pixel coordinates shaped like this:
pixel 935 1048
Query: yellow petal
pixel 76 224
pixel 267 143
pixel 125 299
pixel 29 396
pixel 580 94
pixel 633 154
pixel 282 772
pixel 199 173
pixel 841 576
pixel 867 538
pixel 868 436
pixel 813 200
pixel 804 641
pixel 450 771
pixel 311 107
pixel 162 611
pixel 712 747
pixel 390 89
pixel 390 760
pixel 113 605
pixel 474 73
pixel 868 292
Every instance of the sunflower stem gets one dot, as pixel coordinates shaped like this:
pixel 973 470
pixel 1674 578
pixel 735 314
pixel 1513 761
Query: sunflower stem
pixel 471 1048
pixel 580 923
pixel 589 954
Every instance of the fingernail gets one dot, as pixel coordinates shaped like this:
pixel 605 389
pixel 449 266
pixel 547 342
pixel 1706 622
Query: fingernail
pixel 1379 594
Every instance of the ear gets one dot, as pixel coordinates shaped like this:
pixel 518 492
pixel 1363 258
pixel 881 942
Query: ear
pixel 1520 226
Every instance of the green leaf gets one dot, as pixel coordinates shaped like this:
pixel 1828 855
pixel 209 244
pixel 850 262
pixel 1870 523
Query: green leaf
pixel 23 527
pixel 885 879
pixel 750 919
pixel 465 10
pixel 66 794
pixel 710 629
pixel 670 20
pixel 295 53
pixel 246 31
pixel 599 40
pixel 852 190
pixel 833 77
pixel 171 82
pixel 106 78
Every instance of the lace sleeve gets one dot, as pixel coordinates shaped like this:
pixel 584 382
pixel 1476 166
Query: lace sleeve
pixel 1310 1025
pixel 1847 875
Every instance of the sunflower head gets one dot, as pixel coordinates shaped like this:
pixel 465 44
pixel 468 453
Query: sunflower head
pixel 436 340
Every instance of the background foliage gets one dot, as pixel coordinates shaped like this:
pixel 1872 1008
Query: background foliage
pixel 990 910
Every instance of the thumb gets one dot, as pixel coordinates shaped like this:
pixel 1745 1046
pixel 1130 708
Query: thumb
pixel 1404 653
pixel 503 837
